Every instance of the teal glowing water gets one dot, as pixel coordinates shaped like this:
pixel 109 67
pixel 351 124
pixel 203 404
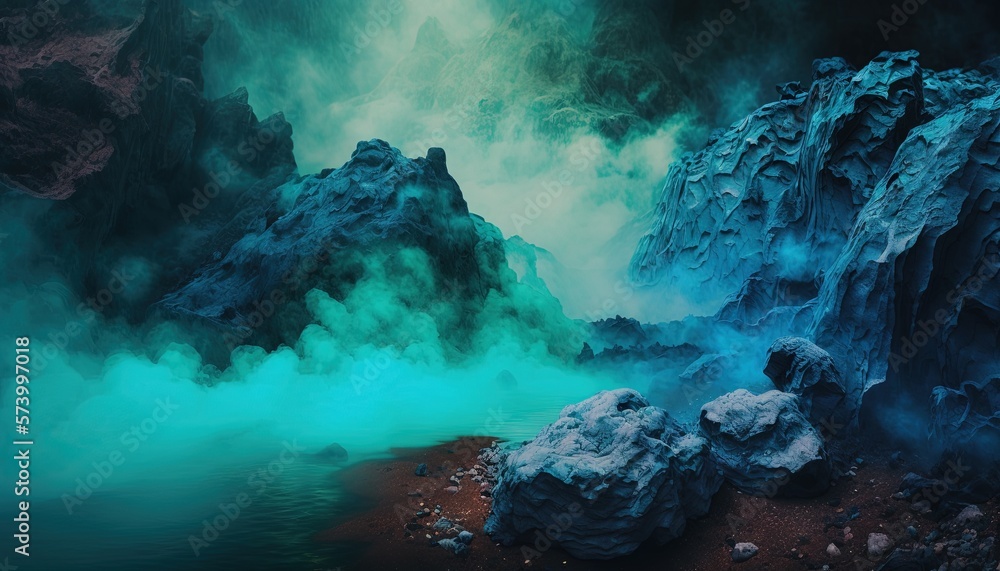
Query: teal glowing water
pixel 158 459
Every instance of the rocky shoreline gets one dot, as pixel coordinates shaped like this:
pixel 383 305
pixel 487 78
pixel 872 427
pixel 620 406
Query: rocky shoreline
pixel 829 531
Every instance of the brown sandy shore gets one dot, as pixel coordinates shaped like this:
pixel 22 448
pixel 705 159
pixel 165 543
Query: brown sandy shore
pixel 792 534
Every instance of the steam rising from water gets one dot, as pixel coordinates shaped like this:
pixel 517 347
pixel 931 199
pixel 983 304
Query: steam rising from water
pixel 576 176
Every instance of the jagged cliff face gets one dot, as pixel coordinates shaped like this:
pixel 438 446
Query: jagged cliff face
pixel 865 205
pixel 103 113
pixel 380 213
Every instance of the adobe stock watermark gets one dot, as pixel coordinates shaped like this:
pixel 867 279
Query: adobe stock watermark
pixel 378 21
pixel 698 43
pixel 292 281
pixel 250 150
pixel 454 117
pixel 43 15
pixel 544 539
pixel 131 440
pixel 372 368
pixel 257 483
pixel 900 15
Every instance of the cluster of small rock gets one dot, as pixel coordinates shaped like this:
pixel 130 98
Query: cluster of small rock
pixel 456 538
pixel 959 542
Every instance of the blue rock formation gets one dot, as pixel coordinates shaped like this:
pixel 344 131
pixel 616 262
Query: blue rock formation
pixel 968 416
pixel 862 215
pixel 795 171
pixel 765 444
pixel 379 201
pixel 611 473
pixel 798 366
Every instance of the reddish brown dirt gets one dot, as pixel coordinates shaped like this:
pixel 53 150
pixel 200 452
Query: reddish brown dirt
pixel 792 534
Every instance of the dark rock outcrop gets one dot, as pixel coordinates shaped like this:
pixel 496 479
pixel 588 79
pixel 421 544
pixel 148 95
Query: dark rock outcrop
pixel 863 216
pixel 797 170
pixel 798 366
pixel 611 473
pixel 102 114
pixel 765 445
pixel 378 202
pixel 968 417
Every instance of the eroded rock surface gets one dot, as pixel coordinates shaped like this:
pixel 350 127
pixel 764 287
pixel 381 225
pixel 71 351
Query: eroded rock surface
pixel 861 215
pixel 765 445
pixel 798 366
pixel 611 473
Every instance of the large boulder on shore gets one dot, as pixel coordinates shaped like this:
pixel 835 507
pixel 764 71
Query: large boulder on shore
pixel 765 445
pixel 609 474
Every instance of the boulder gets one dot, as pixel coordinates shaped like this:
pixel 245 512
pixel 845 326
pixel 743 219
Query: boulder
pixel 800 367
pixel 765 444
pixel 609 474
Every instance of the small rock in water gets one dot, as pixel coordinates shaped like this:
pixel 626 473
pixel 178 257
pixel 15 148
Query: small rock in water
pixel 333 453
pixel 878 544
pixel 743 551
pixel 832 550
pixel 451 489
pixel 421 470
pixel 465 537
pixel 506 379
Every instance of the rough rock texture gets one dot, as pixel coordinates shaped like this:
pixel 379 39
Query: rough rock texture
pixel 765 445
pixel 102 111
pixel 961 540
pixel 379 199
pixel 738 208
pixel 969 415
pixel 798 366
pixel 743 552
pixel 611 473
pixel 906 297
pixel 862 215
pixel 878 544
